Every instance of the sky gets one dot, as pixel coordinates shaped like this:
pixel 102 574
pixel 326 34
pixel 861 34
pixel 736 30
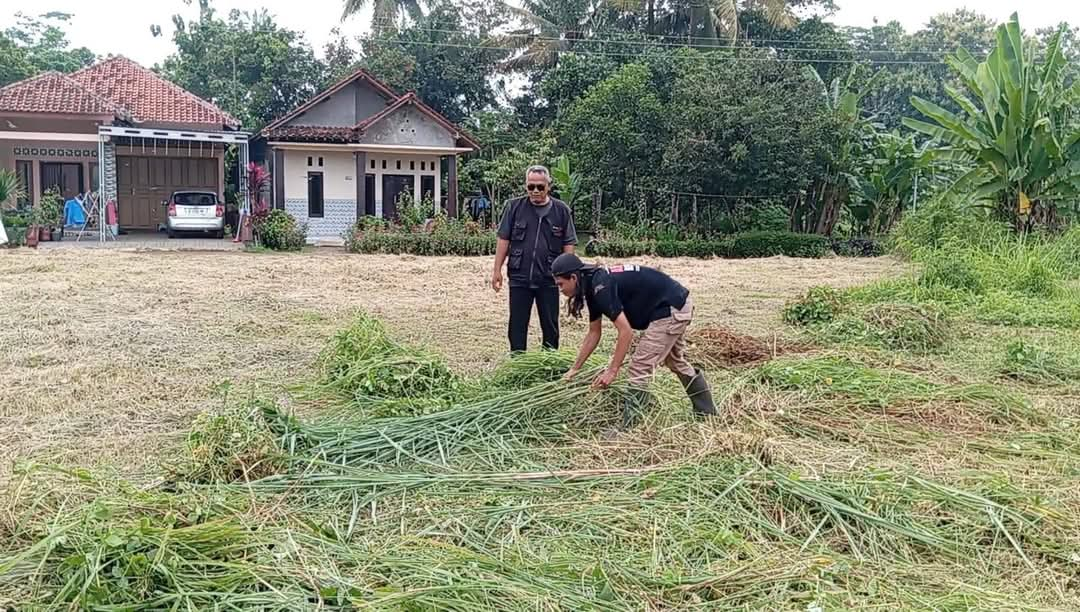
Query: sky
pixel 124 27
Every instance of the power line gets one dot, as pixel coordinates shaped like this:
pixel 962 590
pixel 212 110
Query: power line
pixel 674 41
pixel 792 60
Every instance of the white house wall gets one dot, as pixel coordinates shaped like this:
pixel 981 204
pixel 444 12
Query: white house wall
pixel 339 185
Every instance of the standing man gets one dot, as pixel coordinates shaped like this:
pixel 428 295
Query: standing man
pixel 634 298
pixel 535 229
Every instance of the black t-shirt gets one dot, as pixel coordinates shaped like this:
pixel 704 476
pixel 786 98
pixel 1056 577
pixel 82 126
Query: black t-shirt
pixel 644 294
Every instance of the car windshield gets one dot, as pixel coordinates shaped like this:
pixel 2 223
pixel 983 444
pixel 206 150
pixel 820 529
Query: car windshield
pixel 195 199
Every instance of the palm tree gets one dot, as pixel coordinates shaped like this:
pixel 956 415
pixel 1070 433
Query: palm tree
pixel 709 20
pixel 548 28
pixel 386 12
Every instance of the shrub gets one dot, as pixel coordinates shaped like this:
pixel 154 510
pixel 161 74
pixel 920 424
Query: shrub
pixel 818 305
pixel 953 271
pixel 941 222
pixel 858 247
pixel 736 246
pixel 771 244
pixel 278 230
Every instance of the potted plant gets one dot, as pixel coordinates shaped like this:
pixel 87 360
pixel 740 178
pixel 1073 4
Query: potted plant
pixel 50 214
pixel 10 190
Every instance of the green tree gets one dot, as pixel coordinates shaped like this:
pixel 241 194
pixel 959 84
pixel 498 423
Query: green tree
pixel 441 58
pixel 38 44
pixel 1015 129
pixel 750 131
pixel 615 133
pixel 14 64
pixel 247 64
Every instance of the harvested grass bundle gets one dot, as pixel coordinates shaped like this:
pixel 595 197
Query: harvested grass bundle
pixel 227 445
pixel 540 412
pixel 1032 364
pixel 896 326
pixel 840 379
pixel 534 368
pixel 134 550
pixel 372 373
pixel 818 305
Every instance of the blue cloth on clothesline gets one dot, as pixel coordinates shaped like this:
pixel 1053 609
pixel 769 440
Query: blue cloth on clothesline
pixel 73 213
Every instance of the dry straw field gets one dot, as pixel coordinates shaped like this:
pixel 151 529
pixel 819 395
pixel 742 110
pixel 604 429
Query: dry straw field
pixel 323 431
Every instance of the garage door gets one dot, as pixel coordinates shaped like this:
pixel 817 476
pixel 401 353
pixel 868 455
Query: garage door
pixel 144 182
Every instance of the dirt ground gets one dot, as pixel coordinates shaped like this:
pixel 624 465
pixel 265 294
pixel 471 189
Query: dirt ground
pixel 105 356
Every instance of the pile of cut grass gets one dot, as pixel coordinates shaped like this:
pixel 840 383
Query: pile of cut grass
pixel 844 382
pixel 1033 364
pixel 376 376
pixel 834 318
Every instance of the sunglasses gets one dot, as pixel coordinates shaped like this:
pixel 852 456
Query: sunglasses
pixel 535 187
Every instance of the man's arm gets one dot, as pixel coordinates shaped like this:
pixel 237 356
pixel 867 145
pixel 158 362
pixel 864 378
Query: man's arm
pixel 501 248
pixel 570 238
pixel 622 347
pixel 592 340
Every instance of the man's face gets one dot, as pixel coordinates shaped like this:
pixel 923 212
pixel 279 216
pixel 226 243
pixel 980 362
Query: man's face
pixel 567 284
pixel 536 185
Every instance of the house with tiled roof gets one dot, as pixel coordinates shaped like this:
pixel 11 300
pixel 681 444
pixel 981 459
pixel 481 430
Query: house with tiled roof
pixel 355 149
pixel 51 135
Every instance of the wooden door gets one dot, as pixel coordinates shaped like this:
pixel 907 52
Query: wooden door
pixel 143 183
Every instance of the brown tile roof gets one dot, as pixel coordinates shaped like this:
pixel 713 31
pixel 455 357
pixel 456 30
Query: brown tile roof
pixel 305 133
pixel 53 92
pixel 149 97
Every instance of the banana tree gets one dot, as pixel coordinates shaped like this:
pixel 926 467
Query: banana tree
pixel 567 181
pixel 1015 132
pixel 819 210
pixel 889 184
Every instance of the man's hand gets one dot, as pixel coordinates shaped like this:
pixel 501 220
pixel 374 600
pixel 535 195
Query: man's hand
pixel 605 379
pixel 496 280
pixel 570 375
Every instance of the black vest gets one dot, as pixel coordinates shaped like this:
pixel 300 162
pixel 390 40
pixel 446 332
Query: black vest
pixel 535 242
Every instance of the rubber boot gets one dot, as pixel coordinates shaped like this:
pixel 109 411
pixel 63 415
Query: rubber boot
pixel 697 388
pixel 635 404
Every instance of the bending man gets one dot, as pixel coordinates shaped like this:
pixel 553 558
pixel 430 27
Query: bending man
pixel 634 298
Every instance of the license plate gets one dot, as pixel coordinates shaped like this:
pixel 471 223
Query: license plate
pixel 196 211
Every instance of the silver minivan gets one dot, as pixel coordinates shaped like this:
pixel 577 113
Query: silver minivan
pixel 195 211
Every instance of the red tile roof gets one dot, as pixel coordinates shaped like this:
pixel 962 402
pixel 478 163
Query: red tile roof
pixel 53 92
pixel 149 97
pixel 306 133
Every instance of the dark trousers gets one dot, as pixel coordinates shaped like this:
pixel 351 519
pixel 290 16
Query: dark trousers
pixel 547 306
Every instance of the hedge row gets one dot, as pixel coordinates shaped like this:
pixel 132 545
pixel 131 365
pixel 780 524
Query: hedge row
pixel 421 244
pixel 736 246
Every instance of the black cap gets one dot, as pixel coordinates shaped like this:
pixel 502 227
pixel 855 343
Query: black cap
pixel 567 264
